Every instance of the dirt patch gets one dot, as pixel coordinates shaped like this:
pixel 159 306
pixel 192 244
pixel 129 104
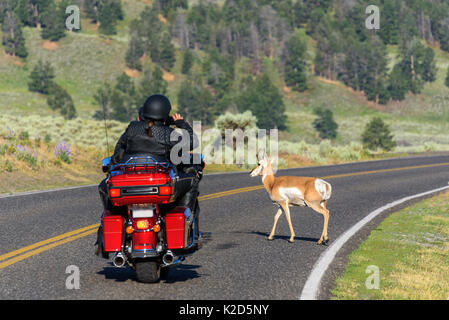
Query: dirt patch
pixel 13 60
pixel 144 59
pixel 50 45
pixel 132 73
pixel 169 77
pixel 162 19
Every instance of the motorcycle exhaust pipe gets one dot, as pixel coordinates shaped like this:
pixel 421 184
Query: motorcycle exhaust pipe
pixel 169 258
pixel 119 260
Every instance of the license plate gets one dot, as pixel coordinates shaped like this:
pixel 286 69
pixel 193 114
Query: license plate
pixel 143 212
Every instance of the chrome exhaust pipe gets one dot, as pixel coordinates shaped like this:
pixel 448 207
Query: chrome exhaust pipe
pixel 119 260
pixel 170 259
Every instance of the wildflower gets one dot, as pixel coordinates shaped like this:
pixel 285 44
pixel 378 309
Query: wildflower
pixel 63 152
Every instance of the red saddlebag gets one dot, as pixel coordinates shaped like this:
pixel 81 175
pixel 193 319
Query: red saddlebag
pixel 141 185
pixel 179 228
pixel 112 232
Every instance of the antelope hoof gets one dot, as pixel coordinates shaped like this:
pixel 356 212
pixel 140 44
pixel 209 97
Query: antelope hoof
pixel 270 238
pixel 291 240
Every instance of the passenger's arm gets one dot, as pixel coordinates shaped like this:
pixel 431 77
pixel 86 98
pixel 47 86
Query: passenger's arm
pixel 182 124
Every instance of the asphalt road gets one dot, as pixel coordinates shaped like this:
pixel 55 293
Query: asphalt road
pixel 236 261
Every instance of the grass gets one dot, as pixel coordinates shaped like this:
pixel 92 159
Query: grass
pixel 31 164
pixel 411 249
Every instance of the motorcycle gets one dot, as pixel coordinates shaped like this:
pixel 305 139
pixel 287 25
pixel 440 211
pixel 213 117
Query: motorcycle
pixel 153 235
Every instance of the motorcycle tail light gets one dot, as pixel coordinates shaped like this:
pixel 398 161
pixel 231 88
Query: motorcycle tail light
pixel 156 228
pixel 164 190
pixel 114 193
pixel 142 224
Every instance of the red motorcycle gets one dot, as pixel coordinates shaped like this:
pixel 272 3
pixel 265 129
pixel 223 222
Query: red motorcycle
pixel 149 237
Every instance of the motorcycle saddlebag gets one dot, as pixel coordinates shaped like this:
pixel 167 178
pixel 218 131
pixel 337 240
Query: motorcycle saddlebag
pixel 142 185
pixel 179 226
pixel 112 232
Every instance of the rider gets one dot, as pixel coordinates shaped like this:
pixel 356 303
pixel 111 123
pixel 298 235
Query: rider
pixel 152 135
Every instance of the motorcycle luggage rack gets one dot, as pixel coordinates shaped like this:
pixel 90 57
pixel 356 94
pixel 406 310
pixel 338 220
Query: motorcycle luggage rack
pixel 147 163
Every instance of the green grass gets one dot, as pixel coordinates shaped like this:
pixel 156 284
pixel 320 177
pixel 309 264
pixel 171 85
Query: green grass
pixel 410 248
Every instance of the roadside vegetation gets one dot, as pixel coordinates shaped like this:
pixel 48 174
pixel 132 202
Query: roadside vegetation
pixel 270 58
pixel 411 249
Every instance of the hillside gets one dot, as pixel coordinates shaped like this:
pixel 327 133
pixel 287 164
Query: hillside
pixel 84 61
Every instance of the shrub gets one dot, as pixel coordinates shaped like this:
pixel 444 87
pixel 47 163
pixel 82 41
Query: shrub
pixel 41 78
pixel 24 136
pixel 325 124
pixel 59 99
pixel 7 166
pixel 243 121
pixel 26 155
pixel 3 149
pixel 377 135
pixel 47 138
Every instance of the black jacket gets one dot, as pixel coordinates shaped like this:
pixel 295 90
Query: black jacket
pixel 136 140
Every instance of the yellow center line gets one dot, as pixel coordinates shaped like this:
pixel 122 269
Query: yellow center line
pixel 41 243
pixel 44 248
pixel 24 253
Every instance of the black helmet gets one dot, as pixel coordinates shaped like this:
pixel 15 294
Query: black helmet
pixel 157 107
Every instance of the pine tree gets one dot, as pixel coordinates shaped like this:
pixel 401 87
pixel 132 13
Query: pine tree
pixel 107 18
pixel 325 123
pixel 377 135
pixel 187 61
pixel 135 50
pixel 167 54
pixel 59 99
pixel 263 99
pixel 196 102
pixel 390 22
pixel 13 39
pixel 151 83
pixel 123 99
pixel 119 109
pixel 54 24
pixel 41 78
pixel 158 84
pixel 92 9
pixel 103 99
pixel 295 65
pixel 447 78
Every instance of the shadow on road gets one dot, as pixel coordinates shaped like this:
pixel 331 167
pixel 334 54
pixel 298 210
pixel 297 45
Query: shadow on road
pixel 176 274
pixel 182 273
pixel 286 238
pixel 118 274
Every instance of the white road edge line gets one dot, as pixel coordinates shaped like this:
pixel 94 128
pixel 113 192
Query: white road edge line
pixel 311 288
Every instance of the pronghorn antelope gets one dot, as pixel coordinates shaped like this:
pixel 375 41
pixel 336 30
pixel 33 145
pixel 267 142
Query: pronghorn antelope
pixel 290 191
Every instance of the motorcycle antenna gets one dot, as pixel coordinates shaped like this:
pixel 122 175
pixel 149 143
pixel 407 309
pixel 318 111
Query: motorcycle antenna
pixel 106 130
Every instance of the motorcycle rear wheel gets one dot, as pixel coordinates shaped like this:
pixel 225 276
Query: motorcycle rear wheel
pixel 148 271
